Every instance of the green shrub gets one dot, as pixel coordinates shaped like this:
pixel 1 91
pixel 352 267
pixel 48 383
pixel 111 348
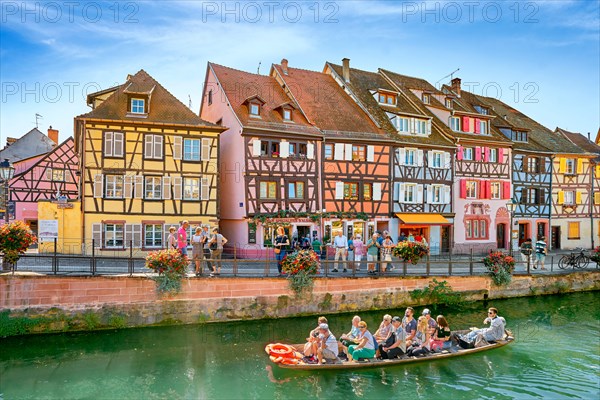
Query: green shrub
pixel 438 293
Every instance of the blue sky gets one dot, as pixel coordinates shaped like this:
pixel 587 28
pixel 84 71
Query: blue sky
pixel 542 57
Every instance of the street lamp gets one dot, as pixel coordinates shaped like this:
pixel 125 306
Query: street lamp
pixel 7 172
pixel 510 206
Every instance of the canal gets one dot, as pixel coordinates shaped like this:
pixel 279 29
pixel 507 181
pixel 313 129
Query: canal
pixel 556 356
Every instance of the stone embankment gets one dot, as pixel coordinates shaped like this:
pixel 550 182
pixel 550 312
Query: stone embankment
pixel 37 304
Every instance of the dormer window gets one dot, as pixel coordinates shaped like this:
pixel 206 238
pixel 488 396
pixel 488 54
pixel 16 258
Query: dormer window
pixel 287 114
pixel 425 98
pixel 449 103
pixel 254 109
pixel 138 106
pixel 387 98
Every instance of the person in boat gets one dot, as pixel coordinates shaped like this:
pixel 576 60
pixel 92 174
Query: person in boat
pixel 312 338
pixel 492 334
pixel 395 345
pixel 430 321
pixel 351 337
pixel 441 337
pixel 409 324
pixel 327 346
pixel 366 345
pixel 421 343
pixel 385 329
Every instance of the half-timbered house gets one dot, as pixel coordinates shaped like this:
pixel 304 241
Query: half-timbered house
pixel 269 159
pixel 355 172
pixel 51 176
pixel 147 162
pixel 422 157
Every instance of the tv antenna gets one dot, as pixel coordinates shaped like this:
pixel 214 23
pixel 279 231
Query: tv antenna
pixel 37 117
pixel 258 69
pixel 190 101
pixel 451 74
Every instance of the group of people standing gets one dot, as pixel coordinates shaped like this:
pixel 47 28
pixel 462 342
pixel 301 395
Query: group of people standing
pixel 395 337
pixel 534 255
pixel 205 246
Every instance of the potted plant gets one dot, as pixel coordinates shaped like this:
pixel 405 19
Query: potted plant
pixel 15 239
pixel 274 154
pixel 171 267
pixel 595 256
pixel 500 267
pixel 301 266
pixel 410 251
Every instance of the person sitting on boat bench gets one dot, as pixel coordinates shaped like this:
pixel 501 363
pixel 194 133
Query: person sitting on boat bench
pixel 327 345
pixel 351 337
pixel 409 324
pixel 366 345
pixel 492 334
pixel 385 329
pixel 313 337
pixel 430 321
pixel 395 345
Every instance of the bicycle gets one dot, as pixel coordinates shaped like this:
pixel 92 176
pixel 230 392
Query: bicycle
pixel 576 259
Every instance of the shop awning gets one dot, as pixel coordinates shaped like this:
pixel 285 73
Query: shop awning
pixel 422 219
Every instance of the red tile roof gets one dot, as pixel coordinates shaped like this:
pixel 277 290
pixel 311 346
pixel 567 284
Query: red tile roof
pixel 579 140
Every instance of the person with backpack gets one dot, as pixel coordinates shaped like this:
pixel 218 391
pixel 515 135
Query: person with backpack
pixel 216 244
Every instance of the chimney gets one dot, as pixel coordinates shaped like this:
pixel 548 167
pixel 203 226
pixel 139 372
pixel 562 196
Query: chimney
pixel 456 86
pixel 10 140
pixel 346 69
pixel 53 134
pixel 284 66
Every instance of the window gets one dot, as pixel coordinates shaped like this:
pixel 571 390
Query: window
pixel 210 97
pixel 58 175
pixel 113 235
pixel 410 157
pixel 254 109
pixel 455 124
pixel 468 153
pixel 496 190
pixel 570 166
pixel 471 189
pixel 329 152
pixel 573 230
pixel 402 124
pixel 191 149
pixel 138 106
pixel 359 153
pixel 425 98
pixel 287 114
pixel 113 186
pixel 269 148
pixel 367 191
pixel 268 190
pixel 351 191
pixel 387 98
pixel 493 155
pixel 191 189
pixel 437 159
pixel 153 147
pixel 476 229
pixel 569 197
pixel 420 127
pixel 153 187
pixel 153 234
pixel 410 193
pixel 448 103
pixel 531 196
pixel 296 190
pixel 532 165
pixel 113 144
pixel 437 194
pixel 483 127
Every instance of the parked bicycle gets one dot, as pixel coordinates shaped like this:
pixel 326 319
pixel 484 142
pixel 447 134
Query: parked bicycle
pixel 576 259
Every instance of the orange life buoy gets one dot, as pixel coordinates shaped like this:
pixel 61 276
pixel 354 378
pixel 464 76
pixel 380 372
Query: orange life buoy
pixel 280 350
pixel 289 361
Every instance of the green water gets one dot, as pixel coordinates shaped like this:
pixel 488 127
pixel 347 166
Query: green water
pixel 556 355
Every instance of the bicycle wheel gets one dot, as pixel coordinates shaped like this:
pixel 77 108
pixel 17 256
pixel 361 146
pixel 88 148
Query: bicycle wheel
pixel 582 261
pixel 563 262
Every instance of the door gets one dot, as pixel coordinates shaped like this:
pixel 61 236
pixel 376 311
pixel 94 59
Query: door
pixel 303 231
pixel 555 237
pixel 501 236
pixel 523 233
pixel 541 229
pixel 445 244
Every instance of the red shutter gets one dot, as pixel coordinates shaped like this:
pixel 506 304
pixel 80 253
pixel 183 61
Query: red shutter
pixel 486 154
pixel 459 153
pixel 488 189
pixel 477 125
pixel 477 153
pixel 506 190
pixel 501 155
pixel 463 189
pixel 465 121
pixel 481 194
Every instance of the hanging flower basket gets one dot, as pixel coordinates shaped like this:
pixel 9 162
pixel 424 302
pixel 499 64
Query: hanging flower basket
pixel 15 239
pixel 500 267
pixel 301 266
pixel 171 267
pixel 410 251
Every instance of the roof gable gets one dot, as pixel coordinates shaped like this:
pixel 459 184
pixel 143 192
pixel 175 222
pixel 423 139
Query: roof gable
pixel 33 143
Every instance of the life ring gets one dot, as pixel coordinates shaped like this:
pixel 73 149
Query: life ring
pixel 280 350
pixel 284 360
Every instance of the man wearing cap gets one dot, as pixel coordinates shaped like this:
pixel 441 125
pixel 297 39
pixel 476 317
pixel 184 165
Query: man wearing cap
pixel 327 346
pixel 430 321
pixel 395 345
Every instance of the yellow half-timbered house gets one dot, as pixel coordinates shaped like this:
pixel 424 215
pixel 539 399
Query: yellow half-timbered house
pixel 147 162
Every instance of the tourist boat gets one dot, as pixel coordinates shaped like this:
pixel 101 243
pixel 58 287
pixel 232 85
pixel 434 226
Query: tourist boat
pixel 373 363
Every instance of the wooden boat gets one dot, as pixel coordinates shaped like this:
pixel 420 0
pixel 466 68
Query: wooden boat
pixel 374 363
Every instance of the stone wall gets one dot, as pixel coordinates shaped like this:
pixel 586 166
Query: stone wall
pixel 33 304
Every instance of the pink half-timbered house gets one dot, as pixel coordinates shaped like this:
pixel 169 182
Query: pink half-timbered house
pixel 52 175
